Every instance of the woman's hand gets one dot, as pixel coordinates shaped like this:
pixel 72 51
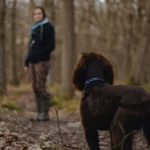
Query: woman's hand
pixel 26 69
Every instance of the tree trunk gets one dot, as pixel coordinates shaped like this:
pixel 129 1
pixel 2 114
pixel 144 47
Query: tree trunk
pixel 68 47
pixel 128 37
pixel 50 9
pixel 31 9
pixel 2 48
pixel 143 51
pixel 15 80
pixel 51 14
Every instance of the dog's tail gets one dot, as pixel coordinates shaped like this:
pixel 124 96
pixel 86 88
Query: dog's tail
pixel 138 106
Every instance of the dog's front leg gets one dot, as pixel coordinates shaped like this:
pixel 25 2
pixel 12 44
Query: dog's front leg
pixel 91 135
pixel 90 131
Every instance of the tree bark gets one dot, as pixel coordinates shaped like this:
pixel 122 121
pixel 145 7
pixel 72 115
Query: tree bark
pixel 143 51
pixel 68 47
pixel 51 14
pixel 15 80
pixel 31 9
pixel 2 47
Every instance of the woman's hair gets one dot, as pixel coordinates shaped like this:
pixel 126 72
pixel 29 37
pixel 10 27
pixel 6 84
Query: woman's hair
pixel 42 9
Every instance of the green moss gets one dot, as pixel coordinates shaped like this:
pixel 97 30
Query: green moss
pixel 72 107
pixel 11 106
pixel 54 101
pixel 55 88
pixel 146 87
pixel 64 103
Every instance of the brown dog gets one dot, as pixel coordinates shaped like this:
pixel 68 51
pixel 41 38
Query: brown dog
pixel 102 103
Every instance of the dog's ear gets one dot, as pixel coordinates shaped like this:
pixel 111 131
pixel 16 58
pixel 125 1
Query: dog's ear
pixel 108 73
pixel 79 73
pixel 108 69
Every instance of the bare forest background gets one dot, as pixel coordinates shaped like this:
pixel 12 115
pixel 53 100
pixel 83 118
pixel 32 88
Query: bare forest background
pixel 120 29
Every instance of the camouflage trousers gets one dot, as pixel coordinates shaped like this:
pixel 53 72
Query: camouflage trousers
pixel 39 79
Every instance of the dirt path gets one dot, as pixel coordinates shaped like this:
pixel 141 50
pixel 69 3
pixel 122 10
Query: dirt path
pixel 17 132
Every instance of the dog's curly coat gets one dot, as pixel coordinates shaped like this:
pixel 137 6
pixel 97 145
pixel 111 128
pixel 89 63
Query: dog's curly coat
pixel 101 106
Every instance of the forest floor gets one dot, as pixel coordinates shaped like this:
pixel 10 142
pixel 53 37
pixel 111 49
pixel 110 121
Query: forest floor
pixel 17 132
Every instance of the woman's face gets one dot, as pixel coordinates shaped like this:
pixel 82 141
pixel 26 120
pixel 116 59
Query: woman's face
pixel 38 15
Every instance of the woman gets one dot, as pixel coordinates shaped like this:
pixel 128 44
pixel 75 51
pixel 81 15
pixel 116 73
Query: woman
pixel 41 45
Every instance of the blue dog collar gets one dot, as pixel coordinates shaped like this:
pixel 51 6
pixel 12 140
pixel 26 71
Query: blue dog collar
pixel 93 79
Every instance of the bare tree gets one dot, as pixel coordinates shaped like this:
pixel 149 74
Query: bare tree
pixel 15 80
pixel 2 47
pixel 144 49
pixel 31 8
pixel 119 29
pixel 50 8
pixel 68 47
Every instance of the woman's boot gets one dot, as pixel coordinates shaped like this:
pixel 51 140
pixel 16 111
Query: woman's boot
pixel 38 108
pixel 45 109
